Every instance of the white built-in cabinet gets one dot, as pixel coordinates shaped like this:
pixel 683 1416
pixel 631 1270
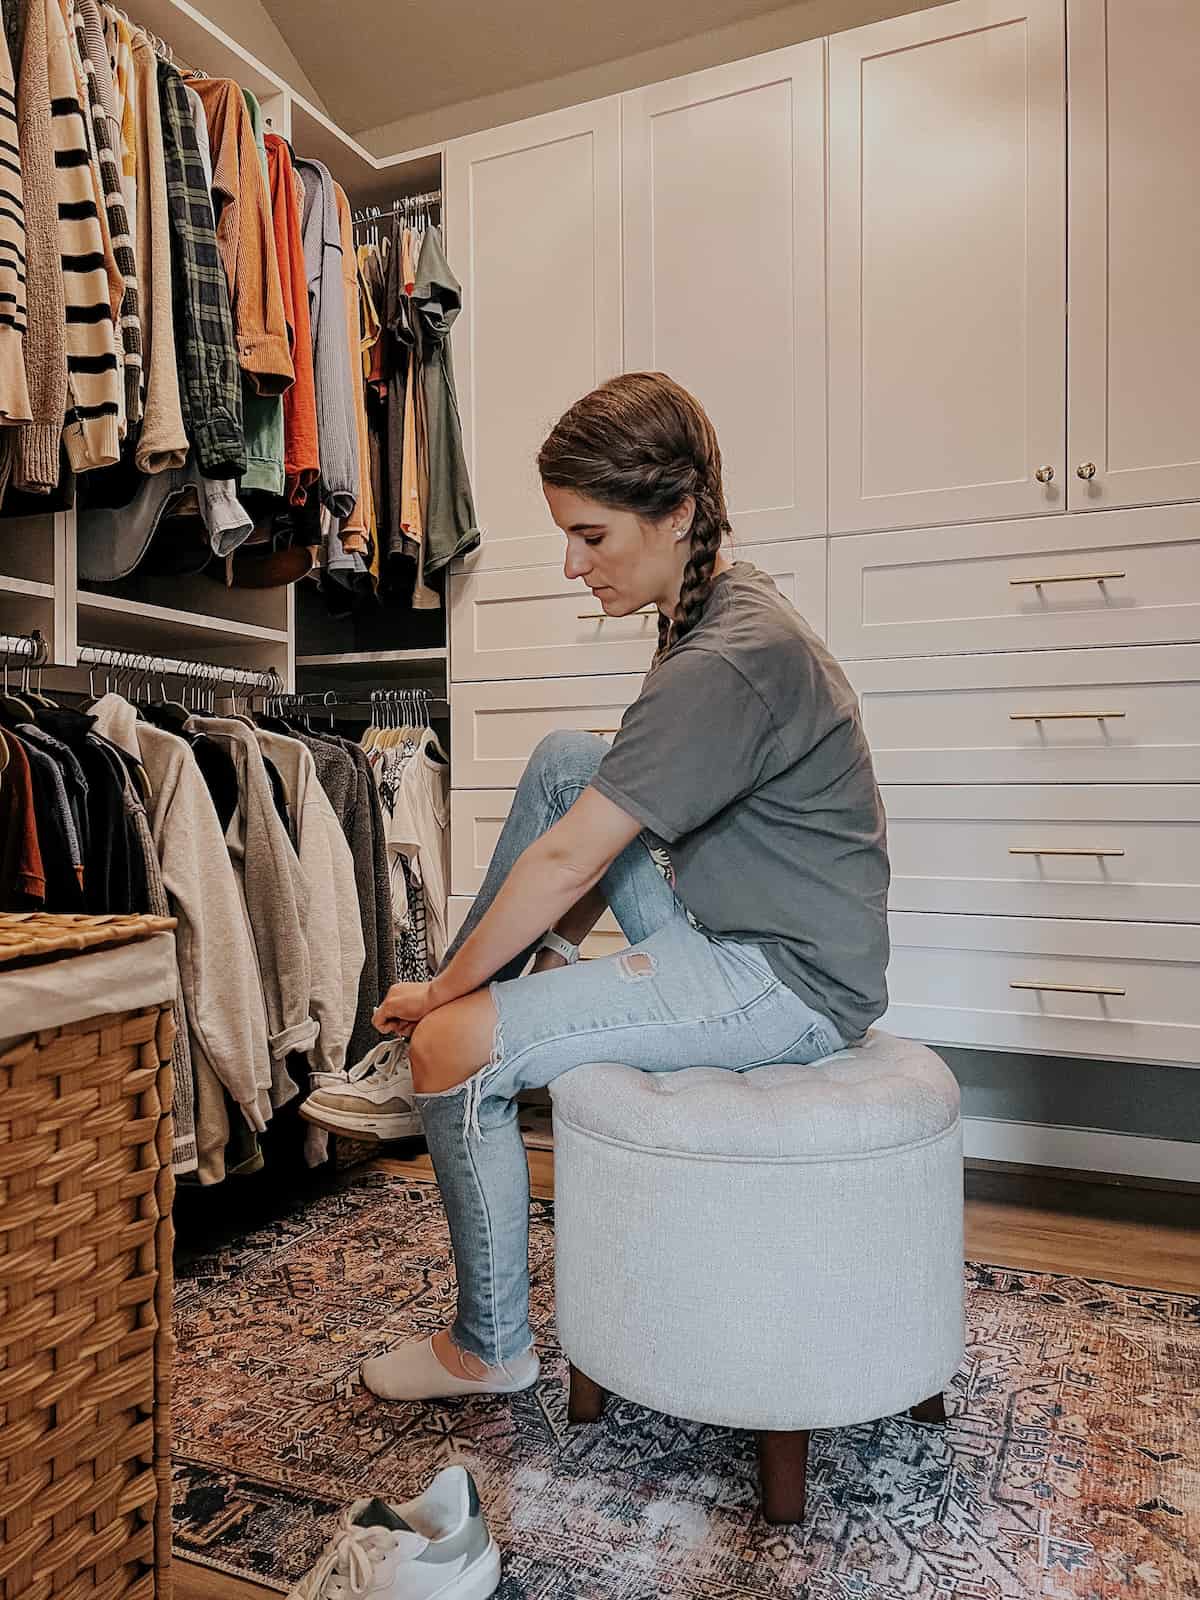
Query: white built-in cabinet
pixel 947 266
pixel 534 222
pixel 724 257
pixel 936 281
pixel 1134 412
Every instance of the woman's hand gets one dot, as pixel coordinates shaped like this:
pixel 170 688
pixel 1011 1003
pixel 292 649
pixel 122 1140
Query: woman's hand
pixel 403 1007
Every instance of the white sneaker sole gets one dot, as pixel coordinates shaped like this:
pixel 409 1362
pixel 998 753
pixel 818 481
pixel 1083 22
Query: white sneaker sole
pixel 479 1582
pixel 365 1124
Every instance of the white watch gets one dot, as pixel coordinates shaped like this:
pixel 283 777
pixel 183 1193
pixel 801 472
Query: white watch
pixel 560 946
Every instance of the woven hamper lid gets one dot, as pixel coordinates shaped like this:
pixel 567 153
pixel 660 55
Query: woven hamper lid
pixel 55 970
pixel 26 935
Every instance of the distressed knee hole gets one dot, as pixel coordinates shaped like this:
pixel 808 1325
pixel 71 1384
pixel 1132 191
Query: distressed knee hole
pixel 638 964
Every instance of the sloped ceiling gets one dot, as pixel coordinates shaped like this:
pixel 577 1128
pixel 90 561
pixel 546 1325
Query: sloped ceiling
pixel 378 61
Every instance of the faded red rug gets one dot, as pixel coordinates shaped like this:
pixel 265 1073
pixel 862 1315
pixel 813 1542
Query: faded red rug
pixel 1069 1468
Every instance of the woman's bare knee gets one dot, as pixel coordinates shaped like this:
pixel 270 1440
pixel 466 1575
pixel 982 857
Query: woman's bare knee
pixel 451 1044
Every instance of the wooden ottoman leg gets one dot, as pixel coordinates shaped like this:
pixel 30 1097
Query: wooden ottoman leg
pixel 931 1410
pixel 586 1401
pixel 783 1470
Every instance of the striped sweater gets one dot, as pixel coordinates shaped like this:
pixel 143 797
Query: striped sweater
pixel 14 390
pixel 106 130
pixel 95 397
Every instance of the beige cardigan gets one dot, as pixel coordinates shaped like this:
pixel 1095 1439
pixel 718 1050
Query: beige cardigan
pixel 218 969
pixel 162 443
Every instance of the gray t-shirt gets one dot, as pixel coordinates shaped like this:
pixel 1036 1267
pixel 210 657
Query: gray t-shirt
pixel 745 756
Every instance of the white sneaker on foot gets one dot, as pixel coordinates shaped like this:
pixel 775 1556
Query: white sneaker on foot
pixel 437 1544
pixel 373 1100
pixel 413 1372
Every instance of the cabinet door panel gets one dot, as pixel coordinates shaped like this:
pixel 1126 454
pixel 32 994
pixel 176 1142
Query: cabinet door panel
pixel 725 267
pixel 534 216
pixel 1135 251
pixel 947 260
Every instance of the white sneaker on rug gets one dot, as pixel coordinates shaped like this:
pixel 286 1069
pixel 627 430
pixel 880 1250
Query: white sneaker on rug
pixel 373 1100
pixel 413 1372
pixel 436 1545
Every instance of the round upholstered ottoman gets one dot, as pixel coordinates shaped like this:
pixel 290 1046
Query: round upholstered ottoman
pixel 779 1249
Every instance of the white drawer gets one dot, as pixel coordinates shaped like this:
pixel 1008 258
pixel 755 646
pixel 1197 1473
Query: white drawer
pixel 533 622
pixel 605 938
pixel 496 726
pixel 1066 716
pixel 1110 578
pixel 1121 852
pixel 960 980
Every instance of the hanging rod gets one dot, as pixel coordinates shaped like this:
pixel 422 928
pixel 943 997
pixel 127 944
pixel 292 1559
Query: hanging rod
pixel 330 699
pixel 24 647
pixel 163 667
pixel 409 202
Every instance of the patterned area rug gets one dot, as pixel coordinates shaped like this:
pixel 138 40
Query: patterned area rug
pixel 1070 1466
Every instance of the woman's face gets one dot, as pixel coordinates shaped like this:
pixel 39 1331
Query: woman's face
pixel 626 561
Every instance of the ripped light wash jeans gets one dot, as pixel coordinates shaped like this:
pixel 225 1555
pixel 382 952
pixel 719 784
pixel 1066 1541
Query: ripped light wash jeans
pixel 677 998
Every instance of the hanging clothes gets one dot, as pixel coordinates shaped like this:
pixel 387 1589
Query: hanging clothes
pixel 336 428
pixel 245 237
pixel 450 526
pixel 162 444
pixel 263 413
pixel 95 392
pixel 31 454
pixel 14 387
pixel 106 136
pixel 211 389
pixel 301 460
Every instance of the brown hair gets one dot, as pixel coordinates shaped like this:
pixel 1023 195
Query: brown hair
pixel 642 443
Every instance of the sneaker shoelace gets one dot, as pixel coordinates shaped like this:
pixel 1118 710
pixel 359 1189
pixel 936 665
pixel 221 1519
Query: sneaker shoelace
pixel 347 1569
pixel 384 1063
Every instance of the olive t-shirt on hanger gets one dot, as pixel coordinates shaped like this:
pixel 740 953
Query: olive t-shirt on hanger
pixel 744 755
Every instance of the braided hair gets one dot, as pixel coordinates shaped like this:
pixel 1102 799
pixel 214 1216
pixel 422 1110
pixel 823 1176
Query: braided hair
pixel 642 443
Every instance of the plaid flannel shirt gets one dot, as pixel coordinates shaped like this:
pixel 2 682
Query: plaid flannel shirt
pixel 211 386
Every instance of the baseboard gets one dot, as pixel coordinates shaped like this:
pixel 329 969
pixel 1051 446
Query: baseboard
pixel 1081 1150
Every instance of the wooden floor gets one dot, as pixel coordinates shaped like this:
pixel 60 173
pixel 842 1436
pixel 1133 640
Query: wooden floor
pixel 1017 1219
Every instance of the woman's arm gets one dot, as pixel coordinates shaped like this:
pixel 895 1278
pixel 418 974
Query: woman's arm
pixel 555 876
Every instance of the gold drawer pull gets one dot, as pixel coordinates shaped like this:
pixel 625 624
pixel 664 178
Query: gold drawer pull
pixel 1068 988
pixel 603 616
pixel 1057 850
pixel 1065 577
pixel 1064 716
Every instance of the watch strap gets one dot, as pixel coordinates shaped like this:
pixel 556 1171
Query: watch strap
pixel 560 946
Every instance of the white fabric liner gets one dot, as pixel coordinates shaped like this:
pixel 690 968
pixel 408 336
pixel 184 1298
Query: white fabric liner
pixel 92 983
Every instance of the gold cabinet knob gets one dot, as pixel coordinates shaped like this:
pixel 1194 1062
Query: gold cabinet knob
pixel 1087 471
pixel 1044 474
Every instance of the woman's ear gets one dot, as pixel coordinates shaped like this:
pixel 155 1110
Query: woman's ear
pixel 682 517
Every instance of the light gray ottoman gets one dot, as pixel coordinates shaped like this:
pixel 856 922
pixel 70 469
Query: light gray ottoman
pixel 779 1249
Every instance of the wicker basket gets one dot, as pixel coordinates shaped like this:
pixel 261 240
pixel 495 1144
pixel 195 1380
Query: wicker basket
pixel 85 1274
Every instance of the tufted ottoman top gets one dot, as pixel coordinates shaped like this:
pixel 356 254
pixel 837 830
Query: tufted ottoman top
pixel 882 1094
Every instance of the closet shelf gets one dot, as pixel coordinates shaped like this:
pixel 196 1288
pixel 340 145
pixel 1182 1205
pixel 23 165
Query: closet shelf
pixel 26 586
pixel 373 658
pixel 197 42
pixel 140 619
